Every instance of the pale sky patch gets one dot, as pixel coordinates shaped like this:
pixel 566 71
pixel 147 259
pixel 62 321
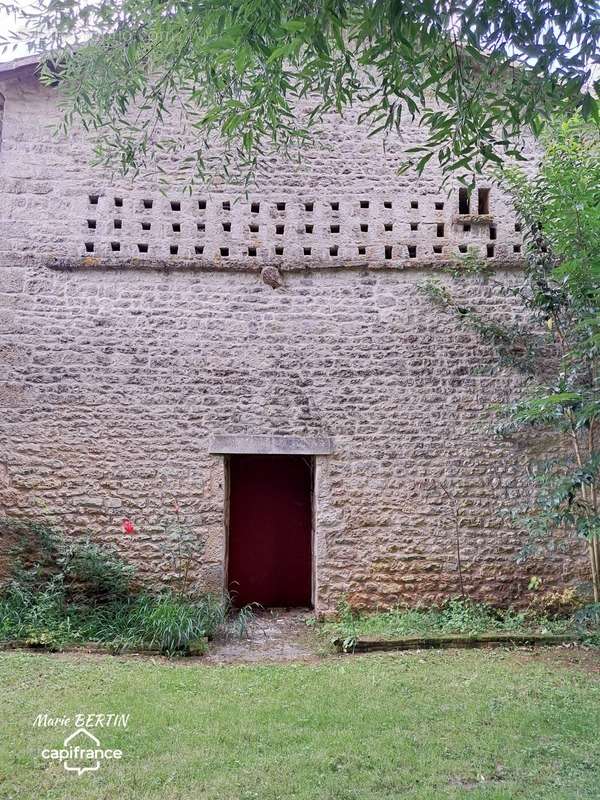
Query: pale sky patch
pixel 8 25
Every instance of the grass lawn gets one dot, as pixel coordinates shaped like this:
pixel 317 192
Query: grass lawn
pixel 472 724
pixel 459 617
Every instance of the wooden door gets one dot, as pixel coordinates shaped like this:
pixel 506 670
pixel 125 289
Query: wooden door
pixel 270 530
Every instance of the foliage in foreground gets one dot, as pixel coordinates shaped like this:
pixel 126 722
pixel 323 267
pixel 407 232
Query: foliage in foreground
pixel 478 77
pixel 42 557
pixel 76 592
pixel 559 209
pixel 462 616
pixel 163 622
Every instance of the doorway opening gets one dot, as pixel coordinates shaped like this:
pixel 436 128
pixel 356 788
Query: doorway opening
pixel 269 548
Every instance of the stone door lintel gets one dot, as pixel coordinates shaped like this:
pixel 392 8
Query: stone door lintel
pixel 234 444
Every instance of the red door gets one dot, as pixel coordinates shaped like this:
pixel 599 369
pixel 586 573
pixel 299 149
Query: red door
pixel 270 522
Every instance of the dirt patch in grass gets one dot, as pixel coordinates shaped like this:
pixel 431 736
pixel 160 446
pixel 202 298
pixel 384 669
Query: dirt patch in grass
pixel 580 657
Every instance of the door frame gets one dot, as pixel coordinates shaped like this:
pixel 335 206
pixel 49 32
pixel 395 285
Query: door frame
pixel 312 461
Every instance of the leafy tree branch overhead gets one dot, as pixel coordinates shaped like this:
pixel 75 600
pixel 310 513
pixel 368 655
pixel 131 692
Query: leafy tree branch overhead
pixel 478 75
pixel 559 209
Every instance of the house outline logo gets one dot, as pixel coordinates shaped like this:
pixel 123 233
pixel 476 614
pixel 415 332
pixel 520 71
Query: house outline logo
pixel 67 743
pixel 81 751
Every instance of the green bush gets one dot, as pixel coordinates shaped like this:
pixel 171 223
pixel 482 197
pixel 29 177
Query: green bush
pixel 36 618
pixel 94 573
pixel 42 556
pixel 72 592
pixel 166 622
pixel 171 623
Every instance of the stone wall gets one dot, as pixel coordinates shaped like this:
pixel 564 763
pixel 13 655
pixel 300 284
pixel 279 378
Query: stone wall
pixel 118 367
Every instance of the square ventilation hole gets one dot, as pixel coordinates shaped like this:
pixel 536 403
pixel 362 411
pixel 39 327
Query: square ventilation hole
pixel 309 206
pixel 464 201
pixel 255 208
pixel 362 250
pixel 307 251
pixel 518 227
pixel 414 226
pixel 493 232
pixel 466 228
pixel 439 229
pixel 252 251
pixel 91 224
pixel 412 250
pixel 333 251
pixel 335 206
pixel 279 230
pixel 414 203
pixel 462 248
pixel 117 224
pixel 309 228
pixel 119 202
pixel 201 205
pixel 253 228
pixel 437 248
pixel 516 248
pixel 148 203
pixel 334 228
pixel 483 201
pixel 93 198
pixel 387 203
pixel 176 227
pixel 364 227
pixel 175 205
pixel 89 247
pixel 115 246
pixel 142 248
pixel 279 250
pixel 280 206
pixel 387 251
pixel 226 205
pixel 226 227
pixel 199 249
pixel 174 249
pixel 364 203
pixel 490 251
pixel 388 226
pixel 439 206
pixel 146 226
pixel 224 251
pixel 200 226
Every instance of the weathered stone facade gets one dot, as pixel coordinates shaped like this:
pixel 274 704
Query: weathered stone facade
pixel 136 327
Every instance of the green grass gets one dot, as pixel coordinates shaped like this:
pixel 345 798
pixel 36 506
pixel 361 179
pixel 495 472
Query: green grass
pixel 493 725
pixel 455 616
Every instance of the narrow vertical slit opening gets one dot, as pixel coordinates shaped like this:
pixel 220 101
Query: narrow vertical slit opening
pixel 1 117
pixel 483 201
pixel 464 201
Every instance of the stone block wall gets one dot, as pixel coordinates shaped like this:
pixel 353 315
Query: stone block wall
pixel 119 366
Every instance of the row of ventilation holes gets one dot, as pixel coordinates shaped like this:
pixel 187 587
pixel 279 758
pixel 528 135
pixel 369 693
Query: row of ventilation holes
pixel 333 251
pixel 464 208
pixel 464 203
